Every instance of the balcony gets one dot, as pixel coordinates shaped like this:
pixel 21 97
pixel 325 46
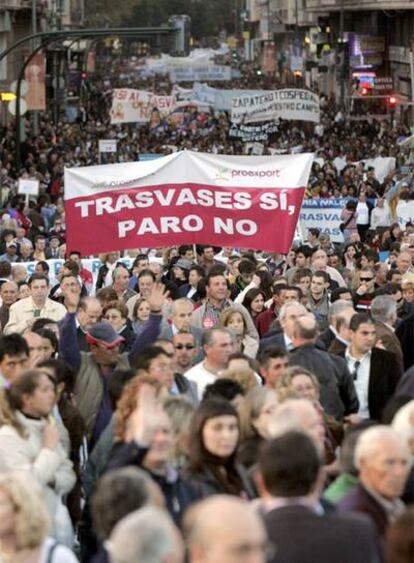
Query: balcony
pixel 15 4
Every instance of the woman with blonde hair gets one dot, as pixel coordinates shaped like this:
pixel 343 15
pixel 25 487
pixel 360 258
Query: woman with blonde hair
pixel 233 319
pixel 255 413
pixel 298 382
pixel 30 442
pixel 24 524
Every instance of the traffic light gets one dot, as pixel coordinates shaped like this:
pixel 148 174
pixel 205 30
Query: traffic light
pixel 392 101
pixel 365 90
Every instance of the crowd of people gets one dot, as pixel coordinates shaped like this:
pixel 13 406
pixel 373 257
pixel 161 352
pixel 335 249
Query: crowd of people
pixel 200 403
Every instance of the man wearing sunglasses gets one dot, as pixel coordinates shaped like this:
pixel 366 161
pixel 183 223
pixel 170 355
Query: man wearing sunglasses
pixel 185 351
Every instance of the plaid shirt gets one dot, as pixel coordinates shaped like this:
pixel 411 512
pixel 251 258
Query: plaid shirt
pixel 211 317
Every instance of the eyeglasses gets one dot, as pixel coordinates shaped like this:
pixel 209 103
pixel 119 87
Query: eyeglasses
pixel 366 279
pixel 186 346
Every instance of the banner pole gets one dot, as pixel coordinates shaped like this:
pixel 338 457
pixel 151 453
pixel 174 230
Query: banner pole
pixel 195 253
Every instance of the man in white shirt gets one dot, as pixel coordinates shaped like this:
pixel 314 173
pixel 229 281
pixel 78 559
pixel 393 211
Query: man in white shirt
pixel 24 312
pixel 380 216
pixel 375 372
pixel 218 345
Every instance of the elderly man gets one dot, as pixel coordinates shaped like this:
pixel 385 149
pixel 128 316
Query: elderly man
pixel 340 308
pixel 319 262
pixel 383 460
pixel 120 282
pixel 24 312
pixel 8 293
pixel 384 313
pixel 89 312
pixel 218 345
pixel 181 314
pixel 147 535
pixel 288 314
pixel 337 394
pixel 224 529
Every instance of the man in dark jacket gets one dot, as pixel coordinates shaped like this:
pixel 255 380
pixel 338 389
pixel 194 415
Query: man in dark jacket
pixel 383 460
pixel 337 391
pixel 290 483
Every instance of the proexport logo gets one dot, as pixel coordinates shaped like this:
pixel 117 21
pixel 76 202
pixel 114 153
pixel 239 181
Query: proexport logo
pixel 223 174
pixel 227 174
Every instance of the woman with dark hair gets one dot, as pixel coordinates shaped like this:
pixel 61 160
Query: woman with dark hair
pixel 50 344
pixel 392 235
pixel 254 301
pixel 214 439
pixel 349 217
pixel 30 440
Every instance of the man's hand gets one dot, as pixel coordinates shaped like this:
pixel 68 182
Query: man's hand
pixel 71 298
pixel 157 298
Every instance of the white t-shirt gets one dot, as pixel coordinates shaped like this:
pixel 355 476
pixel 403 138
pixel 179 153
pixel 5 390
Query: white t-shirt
pixel 61 554
pixel 363 213
pixel 201 377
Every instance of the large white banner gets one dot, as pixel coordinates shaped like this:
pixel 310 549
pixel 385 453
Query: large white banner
pixel 185 198
pixel 200 73
pixel 289 103
pixel 136 106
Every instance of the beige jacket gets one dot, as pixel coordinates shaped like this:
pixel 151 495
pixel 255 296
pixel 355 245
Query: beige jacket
pixel 22 316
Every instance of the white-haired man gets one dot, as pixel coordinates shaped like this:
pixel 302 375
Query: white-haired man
pixel 147 535
pixel 383 460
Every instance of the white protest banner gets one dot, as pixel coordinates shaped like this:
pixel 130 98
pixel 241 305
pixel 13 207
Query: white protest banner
pixel 136 106
pixel 107 145
pixel 91 264
pixel 193 73
pixel 289 104
pixel 186 198
pixel 325 215
pixel 28 187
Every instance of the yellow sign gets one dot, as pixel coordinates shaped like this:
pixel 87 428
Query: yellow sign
pixel 7 96
pixel 246 35
pixel 232 42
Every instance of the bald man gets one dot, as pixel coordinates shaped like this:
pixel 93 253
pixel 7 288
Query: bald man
pixel 337 391
pixel 299 415
pixel 225 529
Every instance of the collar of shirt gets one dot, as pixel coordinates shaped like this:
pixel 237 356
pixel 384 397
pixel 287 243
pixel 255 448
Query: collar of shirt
pixel 288 343
pixel 348 356
pixel 390 327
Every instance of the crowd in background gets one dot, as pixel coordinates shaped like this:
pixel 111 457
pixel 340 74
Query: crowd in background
pixel 230 404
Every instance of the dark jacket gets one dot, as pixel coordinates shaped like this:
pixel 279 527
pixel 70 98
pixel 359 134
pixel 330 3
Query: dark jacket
pixel 383 379
pixel 359 500
pixel 337 395
pixel 405 334
pixel 205 483
pixel 177 491
pixel 327 337
pixel 299 535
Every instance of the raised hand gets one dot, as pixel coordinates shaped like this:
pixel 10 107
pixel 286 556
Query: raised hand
pixel 143 421
pixel 157 297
